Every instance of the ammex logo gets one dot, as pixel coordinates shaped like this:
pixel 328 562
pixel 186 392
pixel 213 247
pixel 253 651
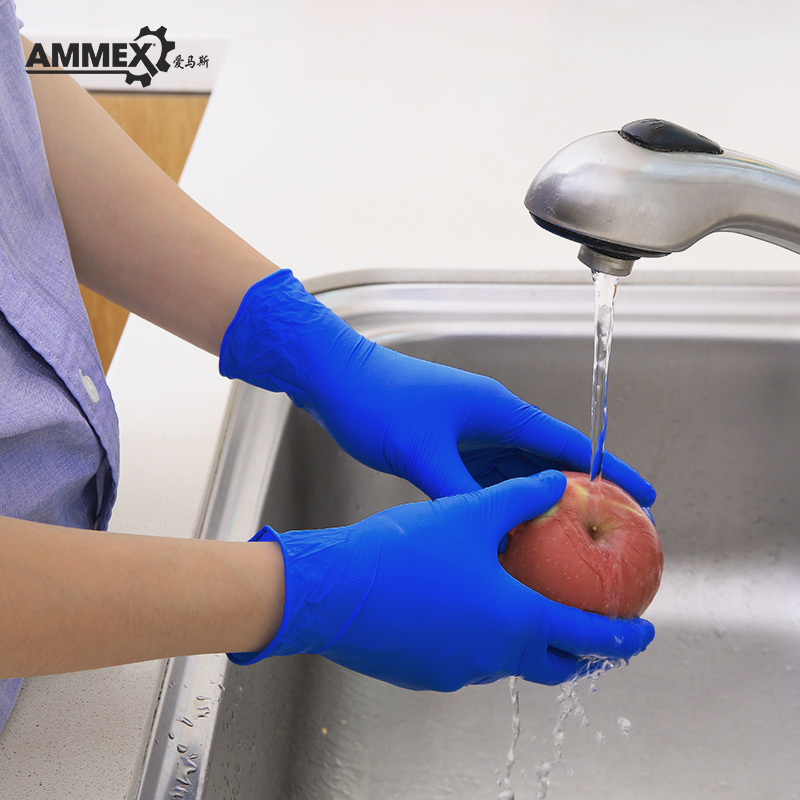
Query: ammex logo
pixel 139 60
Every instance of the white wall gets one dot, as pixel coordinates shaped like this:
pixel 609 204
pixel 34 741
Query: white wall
pixel 353 134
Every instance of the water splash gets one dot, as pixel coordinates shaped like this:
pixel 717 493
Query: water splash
pixel 569 705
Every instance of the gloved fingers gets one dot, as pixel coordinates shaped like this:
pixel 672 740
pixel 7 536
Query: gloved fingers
pixel 443 474
pixel 561 667
pixel 490 465
pixel 628 479
pixel 505 419
pixel 516 424
pixel 570 449
pixel 512 502
pixel 583 634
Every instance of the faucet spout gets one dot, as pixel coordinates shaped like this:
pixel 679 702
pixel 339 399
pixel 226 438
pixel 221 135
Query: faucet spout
pixel 654 188
pixel 599 261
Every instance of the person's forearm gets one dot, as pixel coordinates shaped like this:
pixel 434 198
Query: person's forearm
pixel 135 237
pixel 73 599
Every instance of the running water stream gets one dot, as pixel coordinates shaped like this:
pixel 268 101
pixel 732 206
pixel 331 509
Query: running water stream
pixel 605 289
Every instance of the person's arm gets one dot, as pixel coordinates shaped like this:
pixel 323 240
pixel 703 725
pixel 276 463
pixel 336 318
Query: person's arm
pixel 74 599
pixel 414 595
pixel 135 236
pixel 138 239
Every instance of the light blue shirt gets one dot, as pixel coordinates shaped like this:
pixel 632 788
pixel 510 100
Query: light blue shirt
pixel 59 440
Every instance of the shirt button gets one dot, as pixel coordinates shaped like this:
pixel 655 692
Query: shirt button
pixel 91 389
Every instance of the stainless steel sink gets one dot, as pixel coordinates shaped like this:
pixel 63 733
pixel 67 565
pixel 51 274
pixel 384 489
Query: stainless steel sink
pixel 704 401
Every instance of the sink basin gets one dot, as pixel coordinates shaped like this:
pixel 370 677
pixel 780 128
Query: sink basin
pixel 704 392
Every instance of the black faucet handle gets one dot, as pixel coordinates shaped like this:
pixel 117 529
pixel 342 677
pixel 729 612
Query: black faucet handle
pixel 667 137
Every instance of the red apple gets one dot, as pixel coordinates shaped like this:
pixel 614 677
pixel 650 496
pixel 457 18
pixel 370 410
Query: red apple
pixel 596 549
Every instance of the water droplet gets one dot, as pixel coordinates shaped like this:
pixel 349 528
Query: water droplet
pixel 189 764
pixel 182 748
pixel 543 770
pixel 624 725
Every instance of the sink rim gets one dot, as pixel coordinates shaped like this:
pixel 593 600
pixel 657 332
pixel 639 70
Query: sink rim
pixel 647 273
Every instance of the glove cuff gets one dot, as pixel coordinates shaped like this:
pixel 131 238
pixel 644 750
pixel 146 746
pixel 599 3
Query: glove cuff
pixel 327 580
pixel 266 534
pixel 278 337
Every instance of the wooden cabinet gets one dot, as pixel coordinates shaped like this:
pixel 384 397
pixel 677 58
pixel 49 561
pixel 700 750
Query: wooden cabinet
pixel 164 126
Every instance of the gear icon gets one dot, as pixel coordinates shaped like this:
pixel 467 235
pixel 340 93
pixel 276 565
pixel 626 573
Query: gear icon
pixel 162 65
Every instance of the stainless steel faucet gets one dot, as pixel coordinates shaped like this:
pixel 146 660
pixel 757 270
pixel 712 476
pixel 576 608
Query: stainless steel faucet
pixel 654 188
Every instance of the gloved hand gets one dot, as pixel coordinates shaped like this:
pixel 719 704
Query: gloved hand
pixel 445 430
pixel 415 596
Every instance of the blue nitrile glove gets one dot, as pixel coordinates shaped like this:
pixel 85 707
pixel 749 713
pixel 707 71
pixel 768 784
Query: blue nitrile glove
pixel 415 596
pixel 445 430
